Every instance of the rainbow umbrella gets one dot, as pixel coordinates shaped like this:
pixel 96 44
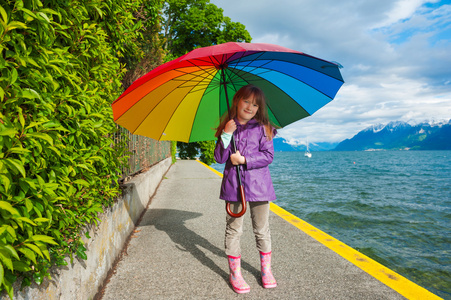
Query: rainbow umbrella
pixel 184 99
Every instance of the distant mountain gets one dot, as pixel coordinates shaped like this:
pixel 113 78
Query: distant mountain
pixel 401 136
pixel 280 144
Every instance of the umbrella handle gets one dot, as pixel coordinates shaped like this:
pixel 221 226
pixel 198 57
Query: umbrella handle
pixel 243 198
pixel 243 205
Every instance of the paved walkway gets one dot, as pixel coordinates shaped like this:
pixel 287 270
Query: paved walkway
pixel 177 252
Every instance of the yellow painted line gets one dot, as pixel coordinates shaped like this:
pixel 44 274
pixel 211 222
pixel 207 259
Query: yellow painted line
pixel 214 171
pixel 402 285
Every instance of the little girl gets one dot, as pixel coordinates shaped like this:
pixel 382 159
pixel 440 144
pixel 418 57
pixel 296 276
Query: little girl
pixel 253 133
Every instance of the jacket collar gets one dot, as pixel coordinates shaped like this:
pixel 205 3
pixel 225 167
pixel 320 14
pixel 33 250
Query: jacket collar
pixel 250 122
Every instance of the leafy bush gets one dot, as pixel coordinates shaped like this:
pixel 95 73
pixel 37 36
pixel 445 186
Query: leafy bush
pixel 191 150
pixel 173 151
pixel 207 152
pixel 60 70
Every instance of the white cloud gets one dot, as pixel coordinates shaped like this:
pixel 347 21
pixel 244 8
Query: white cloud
pixel 395 56
pixel 401 10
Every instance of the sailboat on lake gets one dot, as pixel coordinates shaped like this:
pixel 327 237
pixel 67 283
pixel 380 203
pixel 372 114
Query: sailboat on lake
pixel 307 152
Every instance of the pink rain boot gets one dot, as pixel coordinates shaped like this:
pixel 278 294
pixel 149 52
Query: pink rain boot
pixel 236 280
pixel 268 280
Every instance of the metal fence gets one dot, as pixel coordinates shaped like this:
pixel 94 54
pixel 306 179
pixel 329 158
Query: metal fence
pixel 143 151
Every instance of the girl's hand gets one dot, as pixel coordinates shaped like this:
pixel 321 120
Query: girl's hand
pixel 237 159
pixel 230 127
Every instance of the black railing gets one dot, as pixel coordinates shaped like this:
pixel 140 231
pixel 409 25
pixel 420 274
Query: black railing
pixel 143 151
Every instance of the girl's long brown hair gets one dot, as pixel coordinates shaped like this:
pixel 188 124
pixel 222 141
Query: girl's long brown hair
pixel 261 116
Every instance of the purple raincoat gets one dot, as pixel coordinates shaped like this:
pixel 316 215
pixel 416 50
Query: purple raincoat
pixel 253 144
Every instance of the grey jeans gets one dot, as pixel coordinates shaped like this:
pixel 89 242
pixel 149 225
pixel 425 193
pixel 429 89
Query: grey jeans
pixel 260 224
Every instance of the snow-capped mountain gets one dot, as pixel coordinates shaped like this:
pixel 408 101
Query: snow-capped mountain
pixel 280 144
pixel 428 135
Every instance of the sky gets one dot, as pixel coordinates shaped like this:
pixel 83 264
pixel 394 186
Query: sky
pixel 396 58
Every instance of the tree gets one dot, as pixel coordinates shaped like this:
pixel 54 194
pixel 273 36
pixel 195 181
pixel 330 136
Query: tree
pixel 187 150
pixel 191 150
pixel 207 149
pixel 190 24
pixel 150 53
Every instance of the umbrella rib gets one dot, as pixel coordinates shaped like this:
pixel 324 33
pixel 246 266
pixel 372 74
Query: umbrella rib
pixel 180 86
pixel 208 91
pixel 207 60
pixel 253 60
pixel 232 80
pixel 256 80
pixel 214 61
pixel 288 61
pixel 196 80
pixel 268 106
pixel 203 85
pixel 218 63
pixel 204 93
pixel 193 89
pixel 235 75
pixel 195 75
pixel 173 112
pixel 268 71
pixel 328 64
pixel 250 80
pixel 300 80
pixel 210 71
pixel 250 61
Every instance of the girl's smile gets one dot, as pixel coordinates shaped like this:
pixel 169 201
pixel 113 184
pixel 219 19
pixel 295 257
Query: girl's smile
pixel 246 110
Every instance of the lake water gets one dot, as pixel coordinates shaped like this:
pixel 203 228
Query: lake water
pixel 393 206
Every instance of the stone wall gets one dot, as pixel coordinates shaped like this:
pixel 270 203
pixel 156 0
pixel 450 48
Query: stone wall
pixel 83 278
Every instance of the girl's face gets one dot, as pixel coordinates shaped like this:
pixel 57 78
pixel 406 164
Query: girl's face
pixel 246 110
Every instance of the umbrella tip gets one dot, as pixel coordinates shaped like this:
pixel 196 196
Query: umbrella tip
pixel 340 66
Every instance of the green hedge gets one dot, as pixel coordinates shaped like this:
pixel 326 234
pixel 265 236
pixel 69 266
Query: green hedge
pixel 60 69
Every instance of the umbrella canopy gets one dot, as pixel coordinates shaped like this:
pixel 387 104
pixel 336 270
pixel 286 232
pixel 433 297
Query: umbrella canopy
pixel 184 99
